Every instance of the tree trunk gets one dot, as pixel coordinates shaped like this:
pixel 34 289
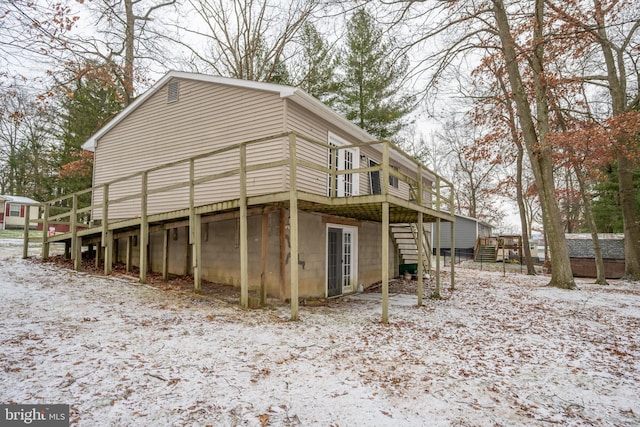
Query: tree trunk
pixel 129 39
pixel 617 82
pixel 630 219
pixel 522 210
pixel 588 216
pixel 531 270
pixel 539 151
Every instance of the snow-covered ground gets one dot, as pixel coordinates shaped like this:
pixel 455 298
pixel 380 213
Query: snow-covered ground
pixel 498 351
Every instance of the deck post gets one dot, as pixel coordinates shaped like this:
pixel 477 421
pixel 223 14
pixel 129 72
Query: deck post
pixel 192 201
pixel 165 255
pixel 453 237
pixel 420 236
pixel 108 253
pixel 45 231
pixel 104 239
pixel 263 258
pixel 128 253
pixel 74 224
pixel 385 168
pixel 25 245
pixel 453 254
pixel 244 243
pixel 293 224
pixel 197 253
pixel 333 154
pixel 77 256
pixel 437 291
pixel 385 262
pixel 98 251
pixel 144 228
pixel 283 251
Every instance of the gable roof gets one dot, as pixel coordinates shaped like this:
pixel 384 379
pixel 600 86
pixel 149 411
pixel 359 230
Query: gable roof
pixel 296 95
pixel 580 245
pixel 19 199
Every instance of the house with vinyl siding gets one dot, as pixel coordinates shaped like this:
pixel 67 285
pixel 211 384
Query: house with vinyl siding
pixel 467 232
pixel 13 211
pixel 252 184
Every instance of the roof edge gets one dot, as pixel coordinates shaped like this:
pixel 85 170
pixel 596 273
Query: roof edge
pixel 283 91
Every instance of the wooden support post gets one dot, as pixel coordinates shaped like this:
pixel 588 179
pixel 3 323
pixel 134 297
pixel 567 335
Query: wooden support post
pixel 74 225
pixel 453 235
pixel 144 228
pixel 108 253
pixel 165 255
pixel 263 258
pixel 438 204
pixel 385 168
pixel 115 244
pixel 436 293
pixel 128 253
pixel 333 153
pixel 420 240
pixel 283 252
pixel 293 224
pixel 453 254
pixel 197 253
pixel 244 239
pixel 98 252
pixel 25 244
pixel 67 249
pixel 45 232
pixel 420 186
pixel 385 262
pixel 420 236
pixel 192 201
pixel 187 252
pixel 77 257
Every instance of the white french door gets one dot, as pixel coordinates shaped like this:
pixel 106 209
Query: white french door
pixel 342 259
pixel 344 159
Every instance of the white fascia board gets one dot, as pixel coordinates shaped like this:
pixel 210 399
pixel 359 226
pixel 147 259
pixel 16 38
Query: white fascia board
pixel 284 91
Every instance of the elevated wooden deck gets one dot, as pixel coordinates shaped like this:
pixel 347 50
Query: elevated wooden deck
pixel 429 199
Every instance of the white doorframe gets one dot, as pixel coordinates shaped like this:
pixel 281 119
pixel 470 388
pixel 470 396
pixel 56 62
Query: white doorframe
pixel 348 158
pixel 349 264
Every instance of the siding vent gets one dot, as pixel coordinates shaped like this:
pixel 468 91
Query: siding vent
pixel 173 90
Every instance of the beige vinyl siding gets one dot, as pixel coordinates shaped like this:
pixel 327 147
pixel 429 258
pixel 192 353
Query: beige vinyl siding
pixel 304 122
pixel 206 117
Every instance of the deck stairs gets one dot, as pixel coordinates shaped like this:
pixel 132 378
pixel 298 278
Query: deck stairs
pixel 407 237
pixel 486 253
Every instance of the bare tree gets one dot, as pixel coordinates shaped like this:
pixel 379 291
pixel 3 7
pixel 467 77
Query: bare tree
pixel 474 173
pixel 25 143
pixel 246 39
pixel 33 28
pixel 609 34
pixel 124 36
pixel 517 31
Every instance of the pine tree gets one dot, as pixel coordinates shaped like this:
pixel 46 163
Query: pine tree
pixel 606 203
pixel 370 94
pixel 317 65
pixel 89 101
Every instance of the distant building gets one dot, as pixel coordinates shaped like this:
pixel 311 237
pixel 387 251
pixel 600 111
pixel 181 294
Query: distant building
pixel 13 211
pixel 467 232
pixel 582 256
